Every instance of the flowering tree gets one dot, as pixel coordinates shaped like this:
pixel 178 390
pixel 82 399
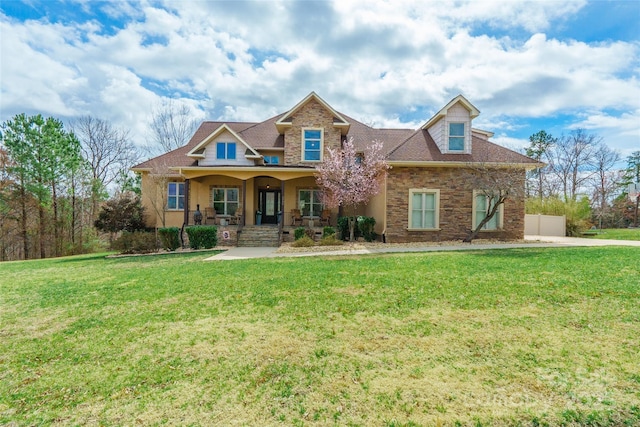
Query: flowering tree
pixel 349 178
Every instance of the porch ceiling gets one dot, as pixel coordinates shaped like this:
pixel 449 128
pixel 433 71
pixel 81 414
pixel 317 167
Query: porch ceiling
pixel 245 173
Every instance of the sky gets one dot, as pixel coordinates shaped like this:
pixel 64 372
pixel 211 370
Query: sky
pixel 526 65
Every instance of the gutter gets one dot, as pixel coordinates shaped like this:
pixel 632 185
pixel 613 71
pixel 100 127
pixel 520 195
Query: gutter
pixel 445 164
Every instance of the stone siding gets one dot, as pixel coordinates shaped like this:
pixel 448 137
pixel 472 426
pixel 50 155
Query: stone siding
pixel 456 206
pixel 311 115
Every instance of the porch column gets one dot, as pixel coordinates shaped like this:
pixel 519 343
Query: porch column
pixel 281 225
pixel 186 201
pixel 243 220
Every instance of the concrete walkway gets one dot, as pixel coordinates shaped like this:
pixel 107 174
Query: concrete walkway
pixel 533 242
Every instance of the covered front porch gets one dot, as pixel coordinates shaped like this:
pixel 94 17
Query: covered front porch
pixel 237 201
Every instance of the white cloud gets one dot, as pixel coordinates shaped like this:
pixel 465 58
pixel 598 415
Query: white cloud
pixel 374 60
pixel 515 144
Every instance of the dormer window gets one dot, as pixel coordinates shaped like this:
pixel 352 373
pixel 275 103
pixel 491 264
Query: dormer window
pixel 456 136
pixel 226 150
pixel 312 145
pixel 271 160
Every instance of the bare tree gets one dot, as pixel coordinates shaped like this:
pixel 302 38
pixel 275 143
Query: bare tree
pixel 106 147
pixel 108 151
pixel 498 184
pixel 571 161
pixel 171 127
pixel 156 191
pixel 605 180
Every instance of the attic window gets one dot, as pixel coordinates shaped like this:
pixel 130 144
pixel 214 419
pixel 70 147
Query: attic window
pixel 226 150
pixel 456 136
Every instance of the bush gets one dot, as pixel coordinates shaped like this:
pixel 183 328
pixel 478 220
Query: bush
pixel 343 227
pixel 330 240
pixel 366 225
pixel 310 232
pixel 137 242
pixel 299 233
pixel 202 236
pixel 123 213
pixel 328 231
pixel 577 212
pixel 303 242
pixel 169 238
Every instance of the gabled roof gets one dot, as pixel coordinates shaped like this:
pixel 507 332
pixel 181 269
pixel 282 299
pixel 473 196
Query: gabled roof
pixel 401 146
pixel 420 148
pixel 198 151
pixel 286 120
pixel 473 111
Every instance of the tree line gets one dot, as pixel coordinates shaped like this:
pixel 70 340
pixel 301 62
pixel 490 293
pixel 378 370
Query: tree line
pixel 55 179
pixel 582 179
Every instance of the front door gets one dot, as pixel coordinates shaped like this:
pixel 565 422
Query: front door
pixel 269 201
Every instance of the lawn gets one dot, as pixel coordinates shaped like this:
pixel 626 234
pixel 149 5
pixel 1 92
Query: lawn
pixel 617 234
pixel 512 337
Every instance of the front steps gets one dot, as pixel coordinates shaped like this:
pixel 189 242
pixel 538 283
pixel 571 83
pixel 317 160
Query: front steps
pixel 259 235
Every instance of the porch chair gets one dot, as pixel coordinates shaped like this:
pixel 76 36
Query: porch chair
pixel 209 216
pixel 237 217
pixel 296 216
pixel 325 217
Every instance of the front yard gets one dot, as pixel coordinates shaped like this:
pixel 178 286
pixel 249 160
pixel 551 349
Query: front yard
pixel 615 234
pixel 511 337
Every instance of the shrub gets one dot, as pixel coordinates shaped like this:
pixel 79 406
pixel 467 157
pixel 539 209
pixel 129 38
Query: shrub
pixel 328 231
pixel 202 236
pixel 577 212
pixel 137 242
pixel 123 213
pixel 169 238
pixel 330 240
pixel 366 225
pixel 303 242
pixel 343 227
pixel 310 232
pixel 299 233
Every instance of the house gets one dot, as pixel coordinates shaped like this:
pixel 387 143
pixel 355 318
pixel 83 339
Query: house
pixel 231 170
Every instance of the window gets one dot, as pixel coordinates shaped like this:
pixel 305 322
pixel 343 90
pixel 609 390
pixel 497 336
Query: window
pixel 310 202
pixel 312 149
pixel 226 150
pixel 480 209
pixel 175 195
pixel 424 207
pixel 225 200
pixel 271 160
pixel 456 136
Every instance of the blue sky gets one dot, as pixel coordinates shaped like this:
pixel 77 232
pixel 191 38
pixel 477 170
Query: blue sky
pixel 526 66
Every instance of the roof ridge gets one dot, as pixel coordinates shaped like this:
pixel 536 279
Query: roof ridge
pixel 254 124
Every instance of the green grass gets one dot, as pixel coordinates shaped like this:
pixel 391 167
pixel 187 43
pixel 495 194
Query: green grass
pixel 617 234
pixel 511 337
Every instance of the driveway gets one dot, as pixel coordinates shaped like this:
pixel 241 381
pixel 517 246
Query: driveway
pixel 531 242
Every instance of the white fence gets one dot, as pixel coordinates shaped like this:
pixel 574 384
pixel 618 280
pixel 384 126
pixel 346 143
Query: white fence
pixel 545 225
